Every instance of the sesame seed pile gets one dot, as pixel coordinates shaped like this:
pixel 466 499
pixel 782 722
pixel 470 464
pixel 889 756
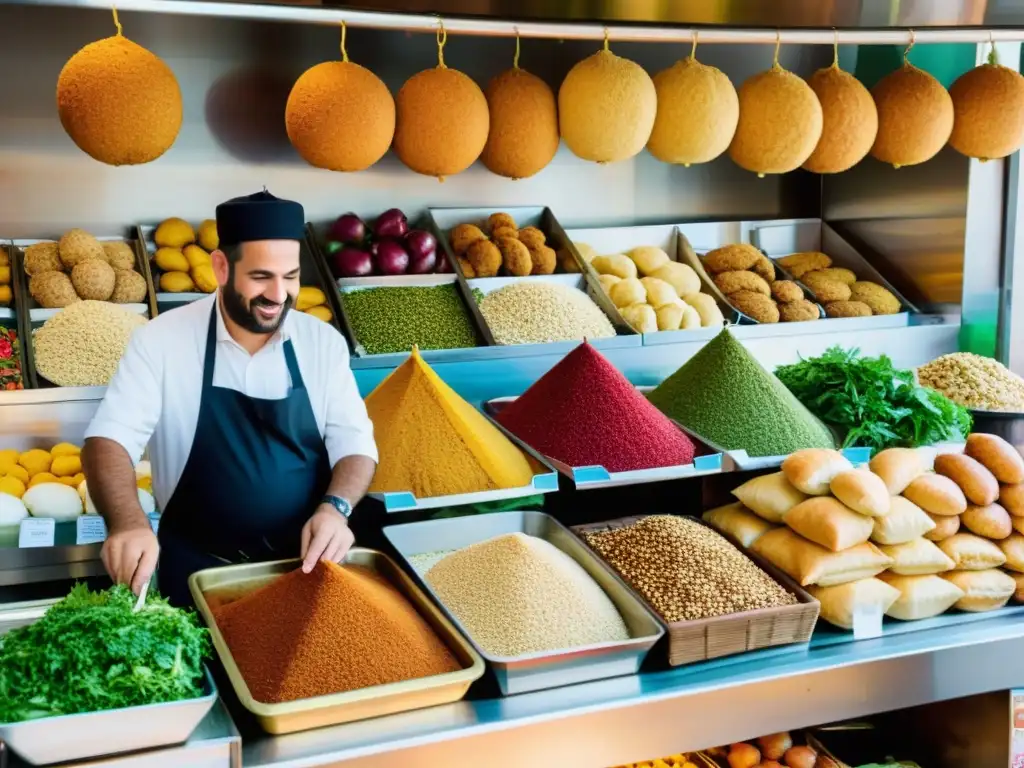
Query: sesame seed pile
pixel 685 570
pixel 974 381
pixel 539 312
pixel 517 594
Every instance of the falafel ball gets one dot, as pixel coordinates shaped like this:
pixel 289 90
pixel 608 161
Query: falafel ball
pixel 42 257
pixel 741 280
pixel 825 289
pixel 847 309
pixel 129 287
pixel 467 269
pixel 119 254
pixel 485 258
pixel 799 264
pixel 515 257
pixel 731 258
pixel 499 232
pixel 463 236
pixel 881 300
pixel 52 290
pixel 839 274
pixel 784 291
pixel 498 220
pixel 544 259
pixel 756 306
pixel 532 237
pixel 764 268
pixel 798 311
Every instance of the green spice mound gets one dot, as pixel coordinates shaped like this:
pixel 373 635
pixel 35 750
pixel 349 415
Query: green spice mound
pixel 396 319
pixel 724 395
pixel 89 652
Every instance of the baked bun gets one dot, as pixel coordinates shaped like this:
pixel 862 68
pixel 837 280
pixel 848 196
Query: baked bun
pixel 972 553
pixel 990 521
pixel 945 526
pixel 811 470
pixel 1012 499
pixel 862 491
pixel 898 467
pixel 978 484
pixel 983 590
pixel 936 495
pixel 1013 548
pixel 998 457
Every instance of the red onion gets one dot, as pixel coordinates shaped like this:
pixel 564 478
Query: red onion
pixel 420 243
pixel 443 266
pixel 392 258
pixel 422 263
pixel 348 228
pixel 351 262
pixel 391 223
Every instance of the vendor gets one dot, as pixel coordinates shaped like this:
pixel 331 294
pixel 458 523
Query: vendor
pixel 258 438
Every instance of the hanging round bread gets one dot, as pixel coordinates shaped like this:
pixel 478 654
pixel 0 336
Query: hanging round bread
pixel 441 120
pixel 988 111
pixel 340 116
pixel 780 122
pixel 698 110
pixel 606 108
pixel 119 102
pixel 915 116
pixel 849 120
pixel 523 135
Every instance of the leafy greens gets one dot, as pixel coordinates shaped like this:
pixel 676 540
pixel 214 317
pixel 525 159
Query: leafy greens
pixel 873 403
pixel 90 652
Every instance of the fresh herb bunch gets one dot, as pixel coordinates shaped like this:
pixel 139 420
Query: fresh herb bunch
pixel 875 405
pixel 90 652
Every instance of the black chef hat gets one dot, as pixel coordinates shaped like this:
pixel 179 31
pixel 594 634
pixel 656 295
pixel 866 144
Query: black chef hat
pixel 259 217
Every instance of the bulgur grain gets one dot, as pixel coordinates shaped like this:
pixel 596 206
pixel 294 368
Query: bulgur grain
pixel 534 312
pixel 974 381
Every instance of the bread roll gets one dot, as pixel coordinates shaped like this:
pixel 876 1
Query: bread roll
pixel 921 597
pixel 769 497
pixel 810 563
pixel 1013 548
pixel 839 604
pixel 830 523
pixel 936 495
pixel 978 484
pixel 990 521
pixel 905 522
pixel 737 521
pixel 862 491
pixel 997 456
pixel 1018 579
pixel 1018 524
pixel 898 467
pixel 811 470
pixel 983 590
pixel 917 558
pixel 945 526
pixel 972 553
pixel 1012 499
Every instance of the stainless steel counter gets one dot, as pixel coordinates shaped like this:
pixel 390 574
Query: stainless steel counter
pixel 626 719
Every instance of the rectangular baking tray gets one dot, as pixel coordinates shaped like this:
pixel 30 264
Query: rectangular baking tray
pixel 374 701
pixel 781 238
pixel 544 481
pixel 547 669
pixel 596 476
pixel 66 738
pixel 712 638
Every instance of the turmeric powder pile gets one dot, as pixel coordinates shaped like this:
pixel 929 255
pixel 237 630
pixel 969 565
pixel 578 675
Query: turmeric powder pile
pixel 433 443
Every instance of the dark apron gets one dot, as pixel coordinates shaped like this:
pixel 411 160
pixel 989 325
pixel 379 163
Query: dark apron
pixel 257 471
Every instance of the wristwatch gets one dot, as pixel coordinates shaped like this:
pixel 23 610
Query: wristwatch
pixel 339 504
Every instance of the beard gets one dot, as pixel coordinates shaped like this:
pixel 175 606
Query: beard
pixel 243 312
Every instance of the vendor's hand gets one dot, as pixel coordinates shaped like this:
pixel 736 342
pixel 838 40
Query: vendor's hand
pixel 130 556
pixel 325 536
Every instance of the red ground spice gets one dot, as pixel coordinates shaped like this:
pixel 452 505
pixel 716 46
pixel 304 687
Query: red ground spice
pixel 584 412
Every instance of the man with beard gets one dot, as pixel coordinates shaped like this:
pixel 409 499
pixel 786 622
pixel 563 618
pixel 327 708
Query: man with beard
pixel 258 438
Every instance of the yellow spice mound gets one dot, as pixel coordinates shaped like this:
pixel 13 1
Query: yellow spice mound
pixel 340 116
pixel 988 112
pixel 849 121
pixel 915 117
pixel 441 122
pixel 433 443
pixel 606 108
pixel 780 123
pixel 698 110
pixel 119 102
pixel 523 136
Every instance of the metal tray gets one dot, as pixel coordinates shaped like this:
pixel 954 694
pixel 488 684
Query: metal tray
pixel 596 476
pixel 360 704
pixel 547 669
pixel 65 738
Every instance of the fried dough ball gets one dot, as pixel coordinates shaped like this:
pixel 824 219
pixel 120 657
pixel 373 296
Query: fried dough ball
pixel 515 257
pixel 532 237
pixel 825 289
pixel 118 254
pixel 799 264
pixel 881 301
pixel 731 258
pixel 42 257
pixel 467 269
pixel 464 236
pixel 839 274
pixel 485 258
pixel 797 311
pixel 786 290
pixel 847 309
pixel 764 268
pixel 497 220
pixel 52 290
pixel 731 282
pixel 499 232
pixel 544 259
pixel 755 305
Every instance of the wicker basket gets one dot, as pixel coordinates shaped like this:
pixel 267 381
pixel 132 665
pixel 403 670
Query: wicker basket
pixel 703 639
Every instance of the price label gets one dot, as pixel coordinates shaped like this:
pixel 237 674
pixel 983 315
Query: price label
pixel 867 622
pixel 91 529
pixel 154 522
pixel 36 532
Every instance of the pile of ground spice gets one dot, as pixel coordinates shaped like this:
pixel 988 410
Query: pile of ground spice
pixel 583 412
pixel 336 629
pixel 727 398
pixel 433 443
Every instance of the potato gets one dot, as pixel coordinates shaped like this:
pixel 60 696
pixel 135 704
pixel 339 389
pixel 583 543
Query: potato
pixel 659 292
pixel 641 317
pixel 691 318
pixel 670 316
pixel 679 276
pixel 648 258
pixel 626 292
pixel 616 264
pixel 607 281
pixel 707 308
pixel 586 251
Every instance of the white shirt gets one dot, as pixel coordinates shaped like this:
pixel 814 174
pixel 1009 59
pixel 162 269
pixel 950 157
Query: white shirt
pixel 154 396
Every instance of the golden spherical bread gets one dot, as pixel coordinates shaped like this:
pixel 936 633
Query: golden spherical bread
pixel 119 102
pixel 849 121
pixel 915 117
pixel 340 116
pixel 988 112
pixel 523 136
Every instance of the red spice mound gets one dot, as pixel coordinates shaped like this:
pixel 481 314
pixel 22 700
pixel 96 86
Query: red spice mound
pixel 584 412
pixel 336 629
